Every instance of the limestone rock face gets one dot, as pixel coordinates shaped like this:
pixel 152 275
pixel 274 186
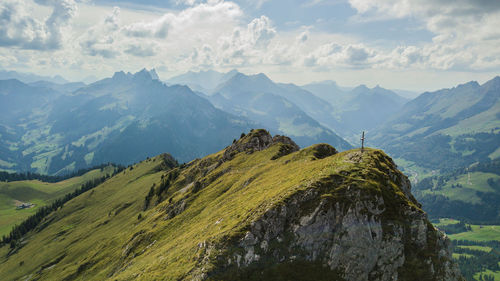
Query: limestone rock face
pixel 258 140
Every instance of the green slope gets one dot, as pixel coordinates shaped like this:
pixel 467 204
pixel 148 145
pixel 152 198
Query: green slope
pixel 38 193
pixel 197 211
pixel 446 129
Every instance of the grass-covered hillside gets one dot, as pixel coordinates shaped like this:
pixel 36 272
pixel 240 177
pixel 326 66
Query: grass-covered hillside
pixel 160 221
pixel 14 193
pixel 446 129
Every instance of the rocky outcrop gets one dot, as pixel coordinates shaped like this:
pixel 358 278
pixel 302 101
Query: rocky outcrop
pixel 258 140
pixel 348 231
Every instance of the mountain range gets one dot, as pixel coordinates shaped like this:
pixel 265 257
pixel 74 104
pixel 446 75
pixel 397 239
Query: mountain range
pixel 359 109
pixel 276 106
pixel 30 77
pixel 345 111
pixel 121 119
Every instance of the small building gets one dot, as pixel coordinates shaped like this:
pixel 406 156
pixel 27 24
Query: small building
pixel 25 206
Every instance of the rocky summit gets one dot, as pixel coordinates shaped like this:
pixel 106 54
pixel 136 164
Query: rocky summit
pixel 261 209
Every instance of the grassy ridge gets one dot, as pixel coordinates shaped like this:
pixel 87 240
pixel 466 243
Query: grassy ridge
pixel 105 233
pixel 38 193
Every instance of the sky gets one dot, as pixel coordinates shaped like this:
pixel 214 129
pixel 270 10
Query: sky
pixel 417 45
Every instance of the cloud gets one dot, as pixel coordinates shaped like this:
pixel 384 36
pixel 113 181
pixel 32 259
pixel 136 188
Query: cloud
pixel 465 32
pixel 247 45
pixel 333 55
pixel 213 14
pixel 18 27
pixel 260 32
pixel 141 50
pixel 100 39
pixel 158 28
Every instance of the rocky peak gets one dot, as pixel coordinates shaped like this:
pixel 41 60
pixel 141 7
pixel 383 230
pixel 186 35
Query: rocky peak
pixel 120 75
pixel 257 140
pixel 469 85
pixel 145 75
pixel 493 84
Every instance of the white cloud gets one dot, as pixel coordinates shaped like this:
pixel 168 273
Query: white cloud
pixel 198 18
pixel 219 34
pixel 142 50
pixel 158 28
pixel 333 55
pixel 19 28
pixel 465 32
pixel 100 39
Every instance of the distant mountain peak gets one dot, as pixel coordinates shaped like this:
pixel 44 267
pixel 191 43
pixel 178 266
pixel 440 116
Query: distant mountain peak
pixel 470 84
pixel 262 76
pixel 495 83
pixel 233 71
pixel 154 75
pixel 495 80
pixel 119 75
pixel 328 82
pixel 145 74
pixel 361 87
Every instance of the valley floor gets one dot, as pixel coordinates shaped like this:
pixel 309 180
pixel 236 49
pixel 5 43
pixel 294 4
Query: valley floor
pixel 476 248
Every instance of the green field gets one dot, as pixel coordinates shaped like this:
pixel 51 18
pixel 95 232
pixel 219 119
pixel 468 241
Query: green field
pixel 469 185
pixel 479 233
pixel 489 272
pixel 445 221
pixel 38 193
pixel 477 248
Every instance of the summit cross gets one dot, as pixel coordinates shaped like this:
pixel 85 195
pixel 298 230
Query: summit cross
pixel 363 141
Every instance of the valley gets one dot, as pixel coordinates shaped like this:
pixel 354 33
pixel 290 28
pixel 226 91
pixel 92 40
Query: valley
pixel 39 193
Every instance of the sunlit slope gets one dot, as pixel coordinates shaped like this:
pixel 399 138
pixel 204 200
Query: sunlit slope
pixel 193 226
pixel 446 129
pixel 38 193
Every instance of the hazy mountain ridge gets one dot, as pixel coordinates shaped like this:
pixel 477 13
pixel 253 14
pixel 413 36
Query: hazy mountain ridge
pixel 202 81
pixel 359 109
pixel 109 120
pixel 255 210
pixel 456 126
pixel 30 77
pixel 276 107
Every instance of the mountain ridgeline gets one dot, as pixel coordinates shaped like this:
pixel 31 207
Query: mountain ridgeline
pixel 261 209
pixel 122 119
pixel 446 129
pixel 56 129
pixel 284 109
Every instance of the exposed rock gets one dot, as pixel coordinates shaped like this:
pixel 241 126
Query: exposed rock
pixel 258 140
pixel 323 150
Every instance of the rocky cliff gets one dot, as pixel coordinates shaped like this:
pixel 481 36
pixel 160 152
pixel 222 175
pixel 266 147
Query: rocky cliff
pixel 259 210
